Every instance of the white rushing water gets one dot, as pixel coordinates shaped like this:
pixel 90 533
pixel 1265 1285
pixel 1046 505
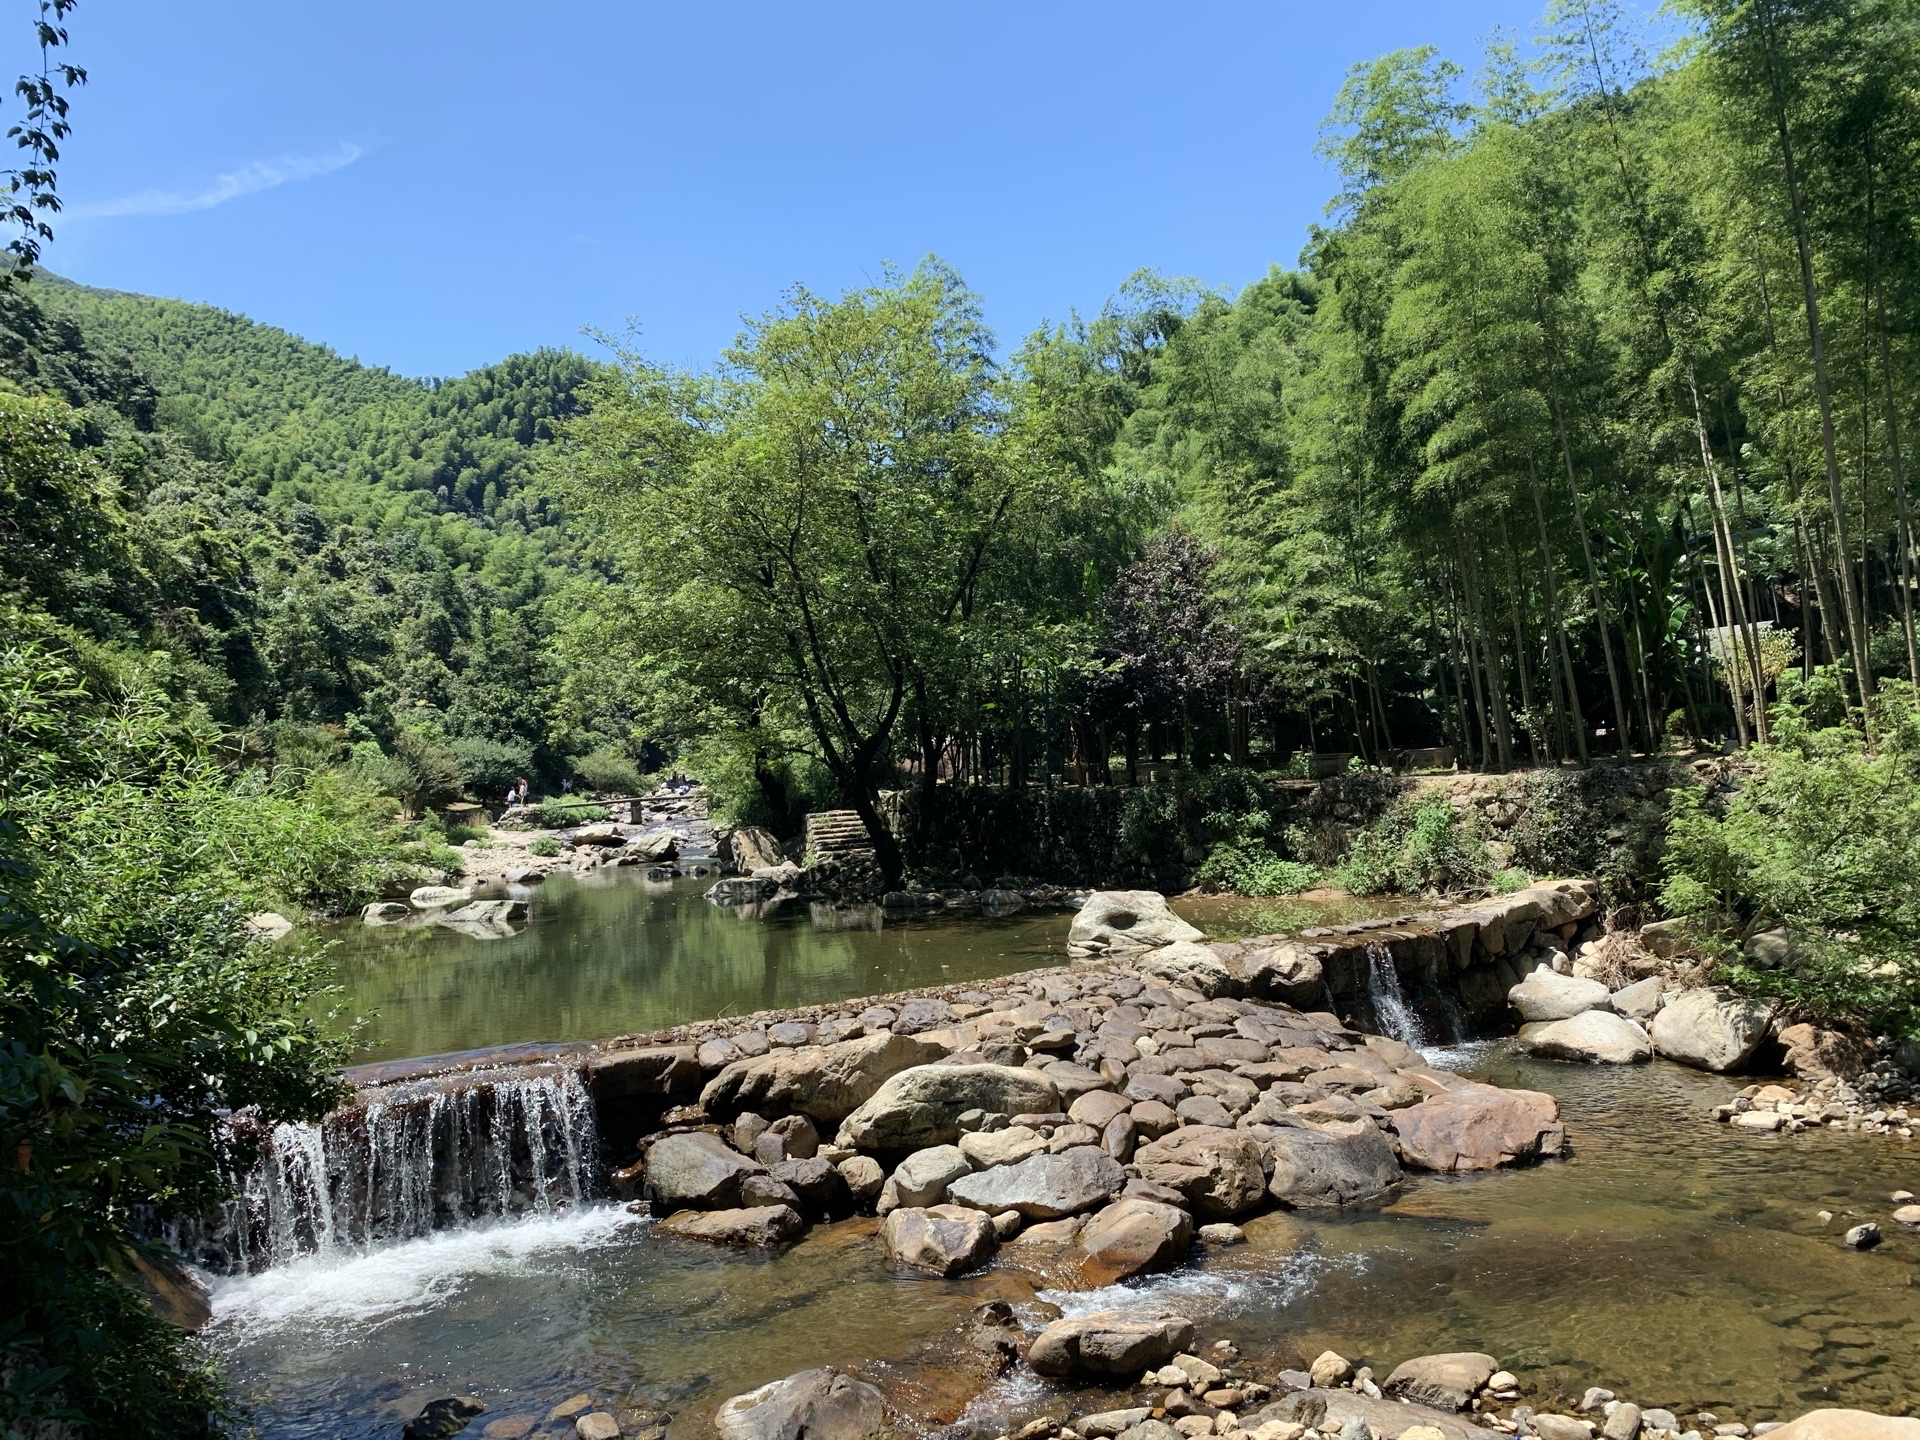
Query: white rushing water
pixel 335 1296
pixel 399 1169
pixel 1390 1006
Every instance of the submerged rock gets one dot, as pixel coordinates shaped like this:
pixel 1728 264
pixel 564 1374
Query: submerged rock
pixel 823 1404
pixel 442 1418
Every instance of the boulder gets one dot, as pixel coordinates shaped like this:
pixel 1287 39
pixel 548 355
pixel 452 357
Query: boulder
pixel 1597 1037
pixel 742 890
pixel 384 912
pixel 1116 921
pixel 1641 999
pixel 751 848
pixel 824 1404
pixel 1322 1168
pixel 1848 1425
pixel 602 834
pixel 525 875
pixel 1479 1127
pixel 596 1425
pixel 922 1106
pixel 1548 995
pixel 988 1148
pixel 753 1225
pixel 1044 1187
pixel 1447 1382
pixel 863 1178
pixel 657 845
pixel 270 925
pixel 1288 973
pixel 486 912
pixel 944 1240
pixel 696 1171
pixel 1816 1054
pixel 649 1070
pixel 437 897
pixel 1217 1170
pixel 1710 1029
pixel 923 1177
pixel 826 1083
pixel 1188 963
pixel 1131 1237
pixel 1110 1342
pixel 822 1191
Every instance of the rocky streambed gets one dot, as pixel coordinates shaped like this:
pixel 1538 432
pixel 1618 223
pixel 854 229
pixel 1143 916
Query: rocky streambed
pixel 1151 1142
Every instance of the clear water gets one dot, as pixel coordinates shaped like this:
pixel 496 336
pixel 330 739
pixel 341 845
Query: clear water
pixel 616 954
pixel 1669 1259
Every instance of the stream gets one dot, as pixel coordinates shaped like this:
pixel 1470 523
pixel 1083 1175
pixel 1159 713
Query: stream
pixel 1670 1259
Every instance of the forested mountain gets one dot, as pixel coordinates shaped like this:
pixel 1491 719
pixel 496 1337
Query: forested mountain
pixel 306 538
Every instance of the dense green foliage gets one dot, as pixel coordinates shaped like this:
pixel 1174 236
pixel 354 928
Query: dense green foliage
pixel 135 1012
pixel 1823 839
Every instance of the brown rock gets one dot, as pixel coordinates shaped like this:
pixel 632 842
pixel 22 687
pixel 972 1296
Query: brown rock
pixel 1110 1342
pixel 1849 1425
pixel 1216 1169
pixel 945 1240
pixel 758 1225
pixel 1479 1127
pixel 1131 1237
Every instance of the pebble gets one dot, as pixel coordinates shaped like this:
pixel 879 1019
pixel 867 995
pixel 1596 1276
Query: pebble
pixel 1862 1237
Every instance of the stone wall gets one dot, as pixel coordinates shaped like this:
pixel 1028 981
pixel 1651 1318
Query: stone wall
pixel 1606 822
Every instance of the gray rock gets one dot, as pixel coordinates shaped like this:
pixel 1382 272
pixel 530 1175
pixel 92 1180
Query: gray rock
pixel 988 1148
pixel 824 1404
pixel 384 912
pixel 922 1106
pixel 1044 1187
pixel 1710 1029
pixel 1862 1237
pixel 1447 1382
pixel 1641 999
pixel 826 1083
pixel 922 1178
pixel 1318 1169
pixel 1188 963
pixel 1561 1427
pixel 1110 1342
pixel 1596 1037
pixel 430 897
pixel 525 875
pixel 1623 1423
pixel 1548 995
pixel 1116 921
pixel 945 1240
pixel 1133 1237
pixel 821 1191
pixel 1218 1171
pixel 1109 1423
pixel 696 1171
pixel 1151 1430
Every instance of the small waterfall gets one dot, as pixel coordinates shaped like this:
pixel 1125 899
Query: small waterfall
pixel 429 1157
pixel 1390 1008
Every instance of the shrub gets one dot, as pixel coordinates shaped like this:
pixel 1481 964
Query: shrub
pixel 1415 848
pixel 445 857
pixel 488 766
pixel 543 845
pixel 562 814
pixel 1825 840
pixel 609 771
pixel 460 834
pixel 136 1015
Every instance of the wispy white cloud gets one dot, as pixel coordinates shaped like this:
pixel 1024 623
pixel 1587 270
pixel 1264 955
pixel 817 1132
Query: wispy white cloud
pixel 247 180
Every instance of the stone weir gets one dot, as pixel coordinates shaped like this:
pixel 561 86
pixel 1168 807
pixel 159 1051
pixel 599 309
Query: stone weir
pixel 446 1141
pixel 1434 977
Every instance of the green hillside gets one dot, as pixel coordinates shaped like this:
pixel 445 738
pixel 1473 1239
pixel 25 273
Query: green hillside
pixel 311 539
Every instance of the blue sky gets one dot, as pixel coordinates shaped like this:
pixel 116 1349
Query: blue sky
pixel 431 185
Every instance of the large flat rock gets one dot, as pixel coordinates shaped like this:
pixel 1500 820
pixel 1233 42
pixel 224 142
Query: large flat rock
pixel 1044 1187
pixel 823 1404
pixel 922 1106
pixel 1479 1127
pixel 1322 1169
pixel 1110 1342
pixel 1594 1037
pixel 826 1083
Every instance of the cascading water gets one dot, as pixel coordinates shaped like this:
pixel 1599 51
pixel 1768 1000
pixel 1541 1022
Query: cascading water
pixel 1390 1008
pixel 404 1165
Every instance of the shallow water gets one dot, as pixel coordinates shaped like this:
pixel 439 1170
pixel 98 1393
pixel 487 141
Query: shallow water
pixel 616 954
pixel 1669 1259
